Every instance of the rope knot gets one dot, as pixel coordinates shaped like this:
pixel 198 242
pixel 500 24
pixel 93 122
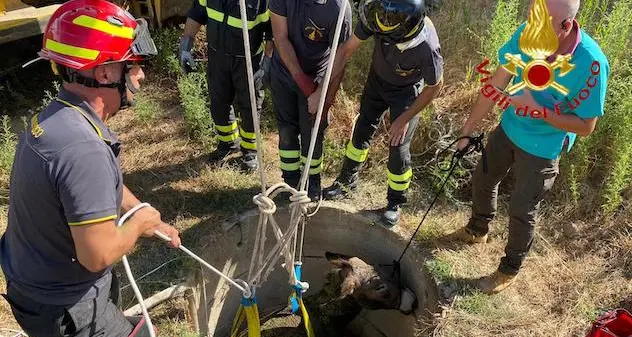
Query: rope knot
pixel 265 204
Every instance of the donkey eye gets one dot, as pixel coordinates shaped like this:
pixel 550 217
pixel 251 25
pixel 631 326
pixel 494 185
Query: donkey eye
pixel 381 288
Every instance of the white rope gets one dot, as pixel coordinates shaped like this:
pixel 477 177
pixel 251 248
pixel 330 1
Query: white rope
pixel 251 89
pixel 323 95
pixel 260 268
pixel 239 284
pixel 130 276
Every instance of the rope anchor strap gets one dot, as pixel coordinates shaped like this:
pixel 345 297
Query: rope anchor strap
pixel 475 144
pixel 248 310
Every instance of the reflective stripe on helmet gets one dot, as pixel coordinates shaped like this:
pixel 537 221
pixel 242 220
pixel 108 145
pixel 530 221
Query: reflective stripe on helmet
pixel 104 26
pixel 384 27
pixel 65 49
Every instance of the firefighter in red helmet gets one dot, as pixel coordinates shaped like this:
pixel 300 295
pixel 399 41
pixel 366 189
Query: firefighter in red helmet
pixel 66 187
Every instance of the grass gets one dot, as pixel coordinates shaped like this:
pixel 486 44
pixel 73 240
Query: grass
pixel 567 281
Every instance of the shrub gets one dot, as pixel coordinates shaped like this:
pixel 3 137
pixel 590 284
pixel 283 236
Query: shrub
pixel 504 23
pixel 194 98
pixel 146 107
pixel 168 43
pixel 8 141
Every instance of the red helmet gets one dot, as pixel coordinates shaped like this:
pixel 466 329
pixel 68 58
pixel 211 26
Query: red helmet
pixel 83 34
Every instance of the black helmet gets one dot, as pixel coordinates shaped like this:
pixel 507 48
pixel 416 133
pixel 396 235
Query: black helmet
pixel 396 21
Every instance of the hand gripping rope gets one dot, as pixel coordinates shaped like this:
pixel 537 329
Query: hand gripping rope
pixel 260 268
pixel 239 284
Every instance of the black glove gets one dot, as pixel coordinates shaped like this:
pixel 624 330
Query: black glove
pixel 187 63
pixel 262 74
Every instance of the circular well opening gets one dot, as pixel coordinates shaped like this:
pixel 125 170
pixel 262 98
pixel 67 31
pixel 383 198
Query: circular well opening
pixel 334 228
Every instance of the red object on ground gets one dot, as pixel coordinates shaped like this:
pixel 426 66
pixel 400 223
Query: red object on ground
pixel 615 323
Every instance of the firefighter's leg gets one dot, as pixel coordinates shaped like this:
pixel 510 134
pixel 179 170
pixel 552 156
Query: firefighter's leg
pixel 284 99
pixel 372 107
pixel 306 124
pixel 246 127
pixel 222 93
pixel 399 171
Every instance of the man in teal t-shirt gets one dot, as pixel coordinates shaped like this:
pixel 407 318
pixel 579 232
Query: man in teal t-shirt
pixel 535 127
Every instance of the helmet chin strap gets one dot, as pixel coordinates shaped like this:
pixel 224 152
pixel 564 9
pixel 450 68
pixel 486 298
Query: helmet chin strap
pixel 421 36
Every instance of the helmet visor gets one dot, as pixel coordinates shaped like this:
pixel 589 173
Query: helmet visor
pixel 143 45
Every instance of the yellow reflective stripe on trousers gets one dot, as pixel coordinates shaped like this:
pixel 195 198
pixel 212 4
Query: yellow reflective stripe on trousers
pixel 202 3
pixel 104 26
pixel 314 161
pixel 400 177
pixel 316 170
pixel 247 135
pixel 356 154
pixel 290 166
pixel 398 186
pixel 227 128
pixel 227 139
pixel 236 22
pixel 248 145
pixel 66 49
pixel 290 154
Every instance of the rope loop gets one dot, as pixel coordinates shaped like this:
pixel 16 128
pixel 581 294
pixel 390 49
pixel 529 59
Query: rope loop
pixel 247 291
pixel 265 204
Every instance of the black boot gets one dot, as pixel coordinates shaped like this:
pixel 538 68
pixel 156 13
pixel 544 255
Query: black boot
pixel 314 191
pixel 219 156
pixel 391 215
pixel 342 187
pixel 249 162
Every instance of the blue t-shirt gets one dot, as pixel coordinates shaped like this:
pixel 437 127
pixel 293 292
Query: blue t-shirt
pixel 586 84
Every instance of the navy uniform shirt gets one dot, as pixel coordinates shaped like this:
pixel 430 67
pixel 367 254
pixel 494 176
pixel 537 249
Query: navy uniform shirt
pixel 223 24
pixel 404 68
pixel 66 173
pixel 311 27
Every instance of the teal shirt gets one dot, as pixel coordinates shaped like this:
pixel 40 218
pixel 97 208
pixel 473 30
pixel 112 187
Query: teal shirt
pixel 586 84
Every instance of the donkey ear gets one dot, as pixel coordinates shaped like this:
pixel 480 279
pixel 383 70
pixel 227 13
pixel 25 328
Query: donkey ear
pixel 339 260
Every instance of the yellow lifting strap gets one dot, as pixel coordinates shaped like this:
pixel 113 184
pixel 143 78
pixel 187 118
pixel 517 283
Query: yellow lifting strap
pixel 250 311
pixel 296 301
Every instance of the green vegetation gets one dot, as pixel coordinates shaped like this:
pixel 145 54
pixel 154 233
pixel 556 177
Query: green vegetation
pixel 194 97
pixel 146 108
pixel 502 26
pixel 439 269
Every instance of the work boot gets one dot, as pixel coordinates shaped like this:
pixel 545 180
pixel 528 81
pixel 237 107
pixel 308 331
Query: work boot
pixel 249 162
pixel 314 191
pixel 464 235
pixel 219 156
pixel 495 282
pixel 390 217
pixel 341 187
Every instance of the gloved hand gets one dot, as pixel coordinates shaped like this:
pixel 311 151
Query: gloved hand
pixel 187 63
pixel 305 83
pixel 262 74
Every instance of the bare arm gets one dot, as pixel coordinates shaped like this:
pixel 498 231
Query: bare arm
pixel 129 200
pixel 283 45
pixel 101 244
pixel 344 53
pixel 425 97
pixel 399 127
pixel 565 122
pixel 483 105
pixel 572 123
pixel 269 48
